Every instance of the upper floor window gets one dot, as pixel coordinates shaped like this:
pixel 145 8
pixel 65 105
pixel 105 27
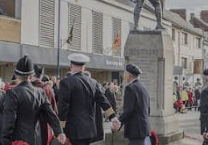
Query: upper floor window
pixel 97 32
pixel 75 26
pixel 184 38
pixel 198 42
pixel 47 19
pixel 173 34
pixel 184 62
pixel 116 27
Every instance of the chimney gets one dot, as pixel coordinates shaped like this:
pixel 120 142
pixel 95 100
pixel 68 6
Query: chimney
pixel 192 18
pixel 204 15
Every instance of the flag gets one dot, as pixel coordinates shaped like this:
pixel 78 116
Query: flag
pixel 117 42
pixel 69 40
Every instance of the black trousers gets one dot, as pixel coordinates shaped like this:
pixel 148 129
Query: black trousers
pixel 137 142
pixel 80 142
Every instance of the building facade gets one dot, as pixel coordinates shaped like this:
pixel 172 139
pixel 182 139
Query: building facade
pixel 188 49
pixel 97 28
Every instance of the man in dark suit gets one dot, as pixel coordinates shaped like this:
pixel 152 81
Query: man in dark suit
pixel 23 105
pixel 204 107
pixel 1 111
pixel 136 108
pixel 79 95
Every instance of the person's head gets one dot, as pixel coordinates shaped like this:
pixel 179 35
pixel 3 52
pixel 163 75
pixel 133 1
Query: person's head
pixel 87 73
pixel 205 72
pixel 111 86
pixel 53 79
pixel 14 81
pixel 199 88
pixel 190 89
pixel 45 78
pixel 39 71
pixel 78 62
pixel 132 72
pixel 2 84
pixel 104 84
pixel 24 69
pixel 50 83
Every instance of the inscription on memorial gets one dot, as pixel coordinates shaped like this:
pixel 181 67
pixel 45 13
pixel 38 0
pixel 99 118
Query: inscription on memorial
pixel 147 60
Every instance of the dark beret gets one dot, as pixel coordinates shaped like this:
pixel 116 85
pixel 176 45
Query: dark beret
pixel 45 78
pixel 205 72
pixel 133 69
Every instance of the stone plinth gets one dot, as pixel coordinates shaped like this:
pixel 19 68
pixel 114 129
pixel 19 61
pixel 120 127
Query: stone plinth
pixel 153 52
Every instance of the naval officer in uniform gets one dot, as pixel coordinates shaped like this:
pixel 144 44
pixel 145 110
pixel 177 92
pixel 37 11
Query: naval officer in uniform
pixel 136 108
pixel 79 95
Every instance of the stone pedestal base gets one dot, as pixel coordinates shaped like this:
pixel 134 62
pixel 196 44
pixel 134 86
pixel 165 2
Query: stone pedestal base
pixel 171 137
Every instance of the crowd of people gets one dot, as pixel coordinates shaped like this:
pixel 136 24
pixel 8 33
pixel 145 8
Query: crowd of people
pixel 33 105
pixel 186 98
pixel 38 110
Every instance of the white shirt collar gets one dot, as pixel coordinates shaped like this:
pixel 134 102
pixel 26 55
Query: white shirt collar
pixel 133 80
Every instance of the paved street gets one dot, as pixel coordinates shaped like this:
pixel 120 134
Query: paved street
pixel 189 122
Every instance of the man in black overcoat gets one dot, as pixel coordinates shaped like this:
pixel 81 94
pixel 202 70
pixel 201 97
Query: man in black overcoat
pixel 79 95
pixel 136 108
pixel 204 106
pixel 23 105
pixel 1 111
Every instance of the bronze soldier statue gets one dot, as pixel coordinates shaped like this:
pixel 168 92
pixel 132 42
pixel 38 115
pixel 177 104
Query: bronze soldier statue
pixel 158 4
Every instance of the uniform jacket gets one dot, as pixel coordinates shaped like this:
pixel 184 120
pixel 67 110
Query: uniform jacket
pixel 204 109
pixel 23 106
pixel 49 92
pixel 46 135
pixel 1 111
pixel 136 111
pixel 111 98
pixel 197 95
pixel 79 95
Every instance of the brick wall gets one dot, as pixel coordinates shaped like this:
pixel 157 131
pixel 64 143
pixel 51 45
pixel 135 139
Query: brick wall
pixel 10 29
pixel 204 15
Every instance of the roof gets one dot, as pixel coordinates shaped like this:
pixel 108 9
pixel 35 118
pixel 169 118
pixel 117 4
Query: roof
pixel 199 23
pixel 179 22
pixel 172 17
pixel 126 2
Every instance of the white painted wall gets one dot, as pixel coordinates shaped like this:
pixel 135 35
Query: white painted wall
pixel 30 22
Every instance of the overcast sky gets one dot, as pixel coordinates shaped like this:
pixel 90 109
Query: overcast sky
pixel 192 5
